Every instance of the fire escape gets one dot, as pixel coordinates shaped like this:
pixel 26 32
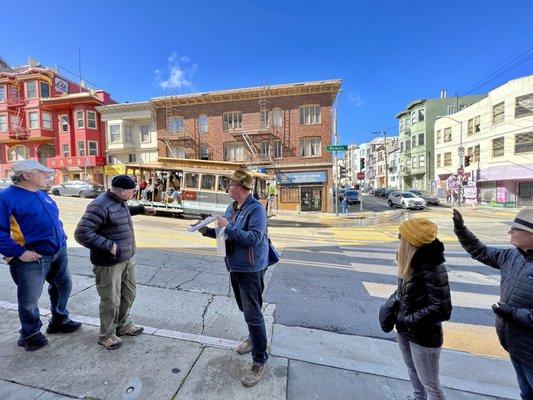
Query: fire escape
pixel 16 107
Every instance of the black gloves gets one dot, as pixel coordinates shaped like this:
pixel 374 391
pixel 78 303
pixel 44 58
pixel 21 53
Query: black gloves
pixel 503 310
pixel 458 221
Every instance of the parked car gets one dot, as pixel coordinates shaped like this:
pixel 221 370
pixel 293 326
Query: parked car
pixel 429 199
pixel 385 192
pixel 4 182
pixel 378 191
pixel 352 196
pixel 406 200
pixel 77 188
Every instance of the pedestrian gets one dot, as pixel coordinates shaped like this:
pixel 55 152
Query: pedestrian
pixel 272 193
pixel 344 204
pixel 423 303
pixel 106 229
pixel 33 242
pixel 246 259
pixel 514 311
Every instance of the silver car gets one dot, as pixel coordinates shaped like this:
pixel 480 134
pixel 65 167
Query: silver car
pixel 406 200
pixel 77 188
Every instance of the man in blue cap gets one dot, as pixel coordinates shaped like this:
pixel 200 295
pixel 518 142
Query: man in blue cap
pixel 33 242
pixel 106 229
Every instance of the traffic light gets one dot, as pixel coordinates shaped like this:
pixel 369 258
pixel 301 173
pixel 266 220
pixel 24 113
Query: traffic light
pixel 361 163
pixel 467 161
pixel 342 171
pixel 478 175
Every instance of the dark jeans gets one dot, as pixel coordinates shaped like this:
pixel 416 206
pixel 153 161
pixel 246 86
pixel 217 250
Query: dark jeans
pixel 525 379
pixel 248 288
pixel 30 278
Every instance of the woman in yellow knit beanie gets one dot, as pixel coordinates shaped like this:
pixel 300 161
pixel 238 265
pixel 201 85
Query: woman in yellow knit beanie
pixel 423 303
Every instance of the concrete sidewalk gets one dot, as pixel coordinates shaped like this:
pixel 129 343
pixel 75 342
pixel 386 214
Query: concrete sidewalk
pixel 166 364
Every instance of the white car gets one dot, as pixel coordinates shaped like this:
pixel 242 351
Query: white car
pixel 406 200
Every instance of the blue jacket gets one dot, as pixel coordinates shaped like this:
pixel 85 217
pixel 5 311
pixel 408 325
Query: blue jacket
pixel 247 244
pixel 29 221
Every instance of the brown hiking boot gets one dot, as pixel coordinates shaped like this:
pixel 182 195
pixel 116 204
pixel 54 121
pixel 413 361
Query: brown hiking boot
pixel 130 330
pixel 245 347
pixel 254 375
pixel 110 343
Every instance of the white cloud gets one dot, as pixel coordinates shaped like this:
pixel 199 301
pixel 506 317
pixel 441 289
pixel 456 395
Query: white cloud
pixel 179 72
pixel 356 99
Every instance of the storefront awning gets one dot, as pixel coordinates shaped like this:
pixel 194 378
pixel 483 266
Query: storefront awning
pixel 506 172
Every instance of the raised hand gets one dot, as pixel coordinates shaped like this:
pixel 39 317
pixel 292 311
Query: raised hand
pixel 458 221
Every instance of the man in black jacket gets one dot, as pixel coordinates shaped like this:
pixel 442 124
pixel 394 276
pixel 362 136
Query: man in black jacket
pixel 514 312
pixel 106 229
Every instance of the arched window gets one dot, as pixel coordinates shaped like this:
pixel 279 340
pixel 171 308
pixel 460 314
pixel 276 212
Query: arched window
pixel 17 153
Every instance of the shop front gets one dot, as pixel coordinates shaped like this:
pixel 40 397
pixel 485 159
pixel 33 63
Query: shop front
pixel 85 168
pixel 303 191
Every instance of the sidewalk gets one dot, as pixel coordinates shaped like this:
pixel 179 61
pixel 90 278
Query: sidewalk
pixel 167 364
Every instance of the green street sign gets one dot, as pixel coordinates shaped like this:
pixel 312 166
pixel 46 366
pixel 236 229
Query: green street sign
pixel 337 147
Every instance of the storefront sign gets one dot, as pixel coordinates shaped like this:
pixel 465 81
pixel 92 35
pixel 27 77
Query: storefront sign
pixel 66 162
pixel 302 177
pixel 470 194
pixel 501 195
pixel 61 85
pixel 119 169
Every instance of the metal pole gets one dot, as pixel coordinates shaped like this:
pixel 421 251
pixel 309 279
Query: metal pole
pixel 386 161
pixel 361 194
pixel 461 162
pixel 336 183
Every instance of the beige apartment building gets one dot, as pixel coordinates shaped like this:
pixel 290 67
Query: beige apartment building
pixel 492 140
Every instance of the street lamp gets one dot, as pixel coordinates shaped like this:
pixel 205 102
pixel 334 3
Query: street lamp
pixel 461 152
pixel 335 158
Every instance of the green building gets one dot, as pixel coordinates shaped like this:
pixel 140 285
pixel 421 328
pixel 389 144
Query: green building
pixel 416 138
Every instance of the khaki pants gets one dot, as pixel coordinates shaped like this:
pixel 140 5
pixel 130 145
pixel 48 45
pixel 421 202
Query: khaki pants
pixel 116 287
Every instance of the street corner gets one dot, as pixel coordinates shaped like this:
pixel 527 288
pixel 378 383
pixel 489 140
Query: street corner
pixel 217 375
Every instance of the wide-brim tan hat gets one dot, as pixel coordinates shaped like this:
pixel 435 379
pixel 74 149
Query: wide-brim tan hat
pixel 524 220
pixel 243 178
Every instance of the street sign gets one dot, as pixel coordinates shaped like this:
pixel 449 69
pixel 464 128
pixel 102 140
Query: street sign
pixel 360 176
pixel 337 147
pixel 461 151
pixel 460 170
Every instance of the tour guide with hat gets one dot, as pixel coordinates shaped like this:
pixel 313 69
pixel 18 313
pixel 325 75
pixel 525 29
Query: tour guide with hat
pixel 33 241
pixel 246 259
pixel 514 311
pixel 423 303
pixel 106 229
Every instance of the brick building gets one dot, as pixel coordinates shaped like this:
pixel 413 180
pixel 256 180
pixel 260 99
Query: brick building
pixel 46 117
pixel 282 128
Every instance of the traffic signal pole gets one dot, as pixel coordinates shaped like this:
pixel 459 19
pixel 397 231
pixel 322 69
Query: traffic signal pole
pixel 336 183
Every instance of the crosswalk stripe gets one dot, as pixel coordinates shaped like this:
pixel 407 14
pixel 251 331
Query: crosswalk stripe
pixel 459 299
pixel 477 339
pixel 453 276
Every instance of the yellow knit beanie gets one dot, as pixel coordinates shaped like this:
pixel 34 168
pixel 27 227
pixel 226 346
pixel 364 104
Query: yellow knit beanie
pixel 418 231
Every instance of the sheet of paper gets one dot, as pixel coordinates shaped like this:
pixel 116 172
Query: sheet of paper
pixel 221 242
pixel 202 223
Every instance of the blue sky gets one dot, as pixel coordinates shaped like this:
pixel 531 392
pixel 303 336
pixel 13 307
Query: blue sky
pixel 386 52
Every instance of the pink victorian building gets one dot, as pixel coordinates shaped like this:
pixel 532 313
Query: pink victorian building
pixel 46 117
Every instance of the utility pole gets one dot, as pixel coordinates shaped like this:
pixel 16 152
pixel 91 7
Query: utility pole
pixel 335 158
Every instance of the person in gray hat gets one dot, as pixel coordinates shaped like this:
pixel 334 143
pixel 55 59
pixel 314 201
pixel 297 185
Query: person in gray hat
pixel 514 311
pixel 106 229
pixel 33 242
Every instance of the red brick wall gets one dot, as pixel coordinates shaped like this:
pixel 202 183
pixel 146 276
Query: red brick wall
pixel 290 132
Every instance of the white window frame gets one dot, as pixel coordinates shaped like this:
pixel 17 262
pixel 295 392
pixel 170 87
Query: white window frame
pixel 33 91
pixel 310 147
pixel 3 125
pixel 3 93
pixel 498 117
pixel 67 152
pixel 203 124
pixel 89 119
pixel 10 153
pixel 81 149
pixel 128 133
pixel 147 133
pixel 173 126
pixel 421 160
pixel 275 148
pixel 447 161
pixel 264 147
pixel 447 135
pixel 310 114
pixel 36 120
pixel 110 129
pixel 62 124
pixel 79 113
pixel 233 152
pixel 277 117
pixel 132 158
pixel 46 124
pixel 231 120
pixel 90 151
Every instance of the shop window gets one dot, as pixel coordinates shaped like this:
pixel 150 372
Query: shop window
pixel 17 153
pixel 289 194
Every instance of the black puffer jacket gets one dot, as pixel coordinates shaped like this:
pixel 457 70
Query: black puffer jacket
pixel 424 297
pixel 516 290
pixel 107 220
